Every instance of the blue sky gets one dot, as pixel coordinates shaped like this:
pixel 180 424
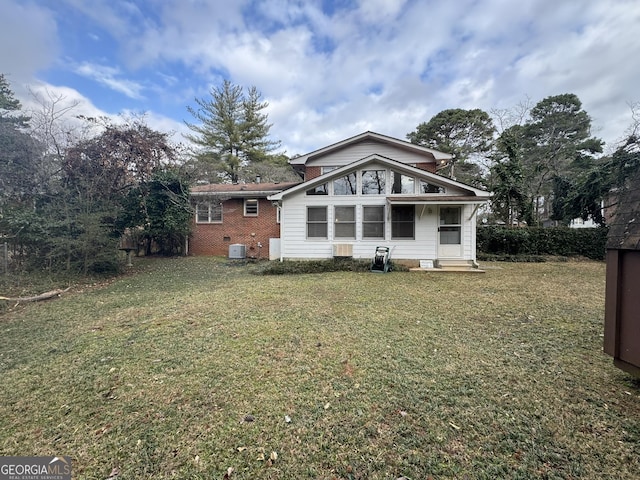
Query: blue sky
pixel 328 68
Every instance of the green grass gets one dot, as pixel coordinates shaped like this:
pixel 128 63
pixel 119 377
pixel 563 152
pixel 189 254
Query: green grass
pixel 422 375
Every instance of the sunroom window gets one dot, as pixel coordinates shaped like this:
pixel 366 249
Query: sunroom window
pixel 403 221
pixel 426 187
pixel 373 182
pixel 318 190
pixel 345 222
pixel 401 183
pixel 345 185
pixel 317 222
pixel 373 221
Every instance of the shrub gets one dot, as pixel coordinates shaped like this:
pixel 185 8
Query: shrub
pixel 320 266
pixel 561 241
pixel 488 257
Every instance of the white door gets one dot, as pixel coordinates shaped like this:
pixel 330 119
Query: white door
pixel 450 232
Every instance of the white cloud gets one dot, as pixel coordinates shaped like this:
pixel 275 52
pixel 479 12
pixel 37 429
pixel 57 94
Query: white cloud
pixel 385 65
pixel 28 36
pixel 107 76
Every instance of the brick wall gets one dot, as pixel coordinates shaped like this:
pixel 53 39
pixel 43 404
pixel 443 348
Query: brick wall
pixel 312 172
pixel 215 238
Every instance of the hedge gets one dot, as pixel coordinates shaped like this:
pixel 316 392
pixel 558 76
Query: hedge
pixel 289 267
pixel 559 241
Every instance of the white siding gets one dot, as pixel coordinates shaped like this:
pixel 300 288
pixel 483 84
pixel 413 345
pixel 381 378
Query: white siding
pixel 351 153
pixel 295 244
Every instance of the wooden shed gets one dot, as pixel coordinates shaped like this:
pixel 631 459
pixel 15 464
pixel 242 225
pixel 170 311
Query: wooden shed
pixel 622 302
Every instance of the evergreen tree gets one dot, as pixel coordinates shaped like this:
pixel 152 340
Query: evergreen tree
pixel 557 146
pixel 463 133
pixel 19 152
pixel 231 131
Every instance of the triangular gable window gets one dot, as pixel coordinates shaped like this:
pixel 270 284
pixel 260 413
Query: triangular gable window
pixel 346 185
pixel 426 187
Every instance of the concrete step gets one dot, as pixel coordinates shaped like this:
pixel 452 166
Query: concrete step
pixel 455 263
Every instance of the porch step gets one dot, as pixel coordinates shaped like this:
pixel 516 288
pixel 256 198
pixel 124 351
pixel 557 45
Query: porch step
pixel 456 265
pixel 451 266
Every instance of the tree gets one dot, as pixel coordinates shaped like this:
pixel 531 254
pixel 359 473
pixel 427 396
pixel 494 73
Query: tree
pixel 158 213
pixel 549 150
pixel 97 174
pixel 557 143
pixel 276 168
pixel 607 180
pixel 10 106
pixel 19 152
pixel 232 130
pixel 509 200
pixel 463 133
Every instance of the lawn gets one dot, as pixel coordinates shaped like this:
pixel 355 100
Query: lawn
pixel 198 368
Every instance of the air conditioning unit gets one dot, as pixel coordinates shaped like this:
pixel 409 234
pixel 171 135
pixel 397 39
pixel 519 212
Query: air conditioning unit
pixel 237 251
pixel 343 250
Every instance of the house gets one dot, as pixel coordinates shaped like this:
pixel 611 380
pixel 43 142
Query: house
pixel 234 214
pixel 373 190
pixel 622 296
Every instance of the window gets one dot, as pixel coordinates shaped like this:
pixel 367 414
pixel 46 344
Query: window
pixel 209 212
pixel 373 221
pixel 373 182
pixel 345 185
pixel 402 221
pixel 250 207
pixel 345 222
pixel 316 222
pixel 318 190
pixel 450 226
pixel 327 169
pixel 401 183
pixel 426 187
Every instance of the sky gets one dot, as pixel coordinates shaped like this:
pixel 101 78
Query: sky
pixel 329 69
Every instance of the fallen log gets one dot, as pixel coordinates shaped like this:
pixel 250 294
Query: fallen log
pixel 37 298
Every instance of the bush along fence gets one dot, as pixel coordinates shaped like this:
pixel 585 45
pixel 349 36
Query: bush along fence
pixel 532 242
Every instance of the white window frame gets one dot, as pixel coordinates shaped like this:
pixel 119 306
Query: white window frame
pixel 212 207
pixel 318 222
pixel 376 171
pixel 250 202
pixel 392 183
pixel 337 222
pixel 395 223
pixel 383 222
pixel 345 180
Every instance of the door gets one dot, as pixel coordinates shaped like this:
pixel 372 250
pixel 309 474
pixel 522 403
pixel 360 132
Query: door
pixel 450 232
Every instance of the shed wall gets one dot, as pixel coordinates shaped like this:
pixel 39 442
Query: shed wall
pixel 622 309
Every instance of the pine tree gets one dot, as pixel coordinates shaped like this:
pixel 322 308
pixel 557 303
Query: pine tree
pixel 231 130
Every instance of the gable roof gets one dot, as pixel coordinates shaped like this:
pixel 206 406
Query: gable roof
pixel 438 155
pixel 398 166
pixel 241 190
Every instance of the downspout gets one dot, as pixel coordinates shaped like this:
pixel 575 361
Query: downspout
pixel 281 225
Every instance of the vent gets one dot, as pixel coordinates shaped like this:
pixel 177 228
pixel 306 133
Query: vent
pixel 237 250
pixel 342 250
